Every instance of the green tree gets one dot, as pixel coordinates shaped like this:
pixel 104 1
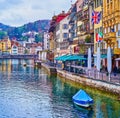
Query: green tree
pixel 88 39
pixel 3 34
pixel 24 38
pixel 38 38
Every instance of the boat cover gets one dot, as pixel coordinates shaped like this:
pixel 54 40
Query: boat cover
pixel 82 97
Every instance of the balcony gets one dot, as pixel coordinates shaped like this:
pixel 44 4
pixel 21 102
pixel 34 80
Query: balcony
pixel 117 51
pixel 117 13
pixel 85 17
pixel 110 35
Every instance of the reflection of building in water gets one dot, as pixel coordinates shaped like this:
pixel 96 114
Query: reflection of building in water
pixel 9 65
pixel 5 65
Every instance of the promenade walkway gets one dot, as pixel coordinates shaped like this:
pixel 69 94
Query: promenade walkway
pixel 90 73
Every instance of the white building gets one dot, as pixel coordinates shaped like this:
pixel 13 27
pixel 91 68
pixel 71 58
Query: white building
pixel 14 49
pixel 62 34
pixel 46 41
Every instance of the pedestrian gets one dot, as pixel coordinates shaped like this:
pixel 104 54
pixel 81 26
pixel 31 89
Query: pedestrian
pixel 115 70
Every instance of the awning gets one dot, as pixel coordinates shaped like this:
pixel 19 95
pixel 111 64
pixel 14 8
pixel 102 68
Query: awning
pixel 70 58
pixel 104 56
pixel 61 57
pixel 74 57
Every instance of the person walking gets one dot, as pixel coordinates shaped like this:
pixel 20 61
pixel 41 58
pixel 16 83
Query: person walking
pixel 115 70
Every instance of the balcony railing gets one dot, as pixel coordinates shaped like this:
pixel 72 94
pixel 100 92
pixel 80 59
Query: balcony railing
pixel 110 35
pixel 117 51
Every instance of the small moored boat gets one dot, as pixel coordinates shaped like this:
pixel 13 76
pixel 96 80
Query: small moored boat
pixel 81 98
pixel 24 64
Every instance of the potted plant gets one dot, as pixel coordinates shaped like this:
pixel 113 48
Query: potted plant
pixel 88 39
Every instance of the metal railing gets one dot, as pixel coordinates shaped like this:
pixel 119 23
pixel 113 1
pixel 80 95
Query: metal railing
pixel 89 73
pixel 94 74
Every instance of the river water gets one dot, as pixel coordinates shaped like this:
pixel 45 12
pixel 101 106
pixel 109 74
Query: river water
pixel 29 92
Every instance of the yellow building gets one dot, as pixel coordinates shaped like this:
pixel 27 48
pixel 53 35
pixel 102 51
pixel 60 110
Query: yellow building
pixel 97 27
pixel 2 46
pixel 5 45
pixel 111 25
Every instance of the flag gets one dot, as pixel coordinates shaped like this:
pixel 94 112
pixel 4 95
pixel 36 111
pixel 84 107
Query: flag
pixel 99 37
pixel 96 16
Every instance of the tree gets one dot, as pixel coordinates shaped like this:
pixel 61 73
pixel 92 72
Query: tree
pixel 25 38
pixel 38 38
pixel 3 34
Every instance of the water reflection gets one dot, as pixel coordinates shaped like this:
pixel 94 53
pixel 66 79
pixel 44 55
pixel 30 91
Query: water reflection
pixel 28 92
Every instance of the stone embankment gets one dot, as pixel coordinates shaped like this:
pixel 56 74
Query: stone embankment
pixel 101 85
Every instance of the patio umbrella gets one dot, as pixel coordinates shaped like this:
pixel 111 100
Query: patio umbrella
pixel 89 58
pixel 98 60
pixel 109 61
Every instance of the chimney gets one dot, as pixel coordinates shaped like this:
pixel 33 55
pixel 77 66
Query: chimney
pixel 63 12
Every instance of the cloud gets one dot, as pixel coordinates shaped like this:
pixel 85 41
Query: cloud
pixel 19 12
pixel 6 4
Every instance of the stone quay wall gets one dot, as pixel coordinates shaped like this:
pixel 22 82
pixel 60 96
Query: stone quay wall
pixel 98 84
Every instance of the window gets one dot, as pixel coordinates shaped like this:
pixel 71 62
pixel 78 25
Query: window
pixel 105 31
pixel 65 26
pixel 118 43
pixel 115 28
pixel 108 29
pixel 118 26
pixel 98 3
pixel 65 35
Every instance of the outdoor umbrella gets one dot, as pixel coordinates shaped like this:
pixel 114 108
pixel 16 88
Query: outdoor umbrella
pixel 98 60
pixel 109 61
pixel 89 58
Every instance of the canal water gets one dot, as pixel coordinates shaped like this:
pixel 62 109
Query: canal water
pixel 29 92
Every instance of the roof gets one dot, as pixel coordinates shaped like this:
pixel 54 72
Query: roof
pixel 13 42
pixel 61 16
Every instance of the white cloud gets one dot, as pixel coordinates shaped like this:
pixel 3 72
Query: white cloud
pixel 19 12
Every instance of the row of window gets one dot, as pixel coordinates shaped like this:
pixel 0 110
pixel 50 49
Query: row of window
pixel 65 35
pixel 113 28
pixel 98 3
pixel 100 29
pixel 101 45
pixel 64 26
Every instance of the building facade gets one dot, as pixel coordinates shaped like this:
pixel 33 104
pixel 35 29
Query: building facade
pixel 111 25
pixel 62 33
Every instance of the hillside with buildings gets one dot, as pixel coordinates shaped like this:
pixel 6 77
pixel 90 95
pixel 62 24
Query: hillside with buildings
pixel 16 32
pixel 27 39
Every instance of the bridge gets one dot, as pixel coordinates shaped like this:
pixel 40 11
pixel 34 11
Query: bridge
pixel 23 56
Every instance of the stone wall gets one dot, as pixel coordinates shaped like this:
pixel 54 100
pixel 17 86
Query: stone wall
pixel 104 86
pixel 115 89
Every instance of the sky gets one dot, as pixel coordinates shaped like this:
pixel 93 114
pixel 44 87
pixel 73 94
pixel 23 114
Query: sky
pixel 20 12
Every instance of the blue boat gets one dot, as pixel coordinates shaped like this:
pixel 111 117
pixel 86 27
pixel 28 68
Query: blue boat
pixel 81 98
